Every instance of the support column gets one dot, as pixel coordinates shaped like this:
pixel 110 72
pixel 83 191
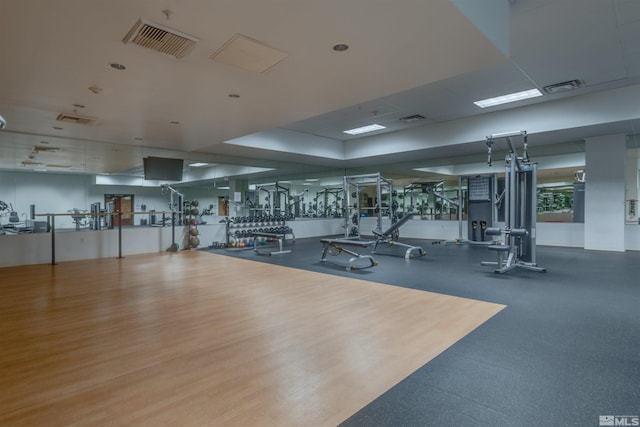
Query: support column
pixel 633 177
pixel 604 218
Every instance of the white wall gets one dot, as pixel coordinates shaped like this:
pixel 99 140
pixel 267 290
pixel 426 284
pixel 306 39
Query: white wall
pixel 569 234
pixel 27 249
pixel 632 237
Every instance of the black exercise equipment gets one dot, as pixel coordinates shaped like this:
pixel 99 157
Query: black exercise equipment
pixel 337 246
pixel 391 236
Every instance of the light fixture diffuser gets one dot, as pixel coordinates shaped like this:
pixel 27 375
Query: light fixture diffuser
pixel 364 129
pixel 198 164
pixel 512 97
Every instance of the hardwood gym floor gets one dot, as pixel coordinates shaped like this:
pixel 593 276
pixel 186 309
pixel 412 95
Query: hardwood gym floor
pixel 195 338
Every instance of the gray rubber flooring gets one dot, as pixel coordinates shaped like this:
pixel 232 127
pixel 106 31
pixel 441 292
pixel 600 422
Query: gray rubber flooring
pixel 565 351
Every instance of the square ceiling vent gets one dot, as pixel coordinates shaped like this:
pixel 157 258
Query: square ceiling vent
pixel 160 38
pixel 249 54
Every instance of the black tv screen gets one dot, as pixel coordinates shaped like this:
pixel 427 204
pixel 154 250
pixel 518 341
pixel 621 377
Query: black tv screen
pixel 163 169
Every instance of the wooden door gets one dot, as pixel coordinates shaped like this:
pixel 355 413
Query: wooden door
pixel 223 206
pixel 122 203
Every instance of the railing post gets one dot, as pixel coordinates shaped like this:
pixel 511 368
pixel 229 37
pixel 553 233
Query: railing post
pixel 53 238
pixel 119 234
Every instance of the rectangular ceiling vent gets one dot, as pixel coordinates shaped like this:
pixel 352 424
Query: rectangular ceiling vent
pixel 74 118
pixel 413 118
pixel 160 38
pixel 30 163
pixel 563 87
pixel 39 148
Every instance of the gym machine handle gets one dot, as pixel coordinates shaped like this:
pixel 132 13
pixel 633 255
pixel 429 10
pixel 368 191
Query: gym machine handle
pixel 516 232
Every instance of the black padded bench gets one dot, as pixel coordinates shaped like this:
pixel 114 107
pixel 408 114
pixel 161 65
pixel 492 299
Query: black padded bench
pixel 337 246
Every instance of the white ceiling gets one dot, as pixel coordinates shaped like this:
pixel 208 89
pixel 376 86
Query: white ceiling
pixel 406 57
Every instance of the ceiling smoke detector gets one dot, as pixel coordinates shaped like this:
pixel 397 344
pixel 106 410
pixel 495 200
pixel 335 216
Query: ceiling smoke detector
pixel 160 38
pixel 562 87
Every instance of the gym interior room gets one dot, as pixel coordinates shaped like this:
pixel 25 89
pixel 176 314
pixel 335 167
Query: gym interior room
pixel 354 213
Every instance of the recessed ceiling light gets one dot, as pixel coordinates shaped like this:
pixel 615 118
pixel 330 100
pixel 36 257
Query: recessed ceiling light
pixel 340 47
pixel 364 129
pixel 312 179
pixel 117 66
pixel 512 97
pixel 198 164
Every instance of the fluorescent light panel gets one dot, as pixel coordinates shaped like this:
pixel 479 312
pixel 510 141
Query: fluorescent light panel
pixel 364 129
pixel 198 165
pixel 512 97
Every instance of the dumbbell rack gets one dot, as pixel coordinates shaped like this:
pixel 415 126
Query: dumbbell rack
pixel 239 230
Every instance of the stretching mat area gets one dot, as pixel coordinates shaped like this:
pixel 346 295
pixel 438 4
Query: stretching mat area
pixel 194 338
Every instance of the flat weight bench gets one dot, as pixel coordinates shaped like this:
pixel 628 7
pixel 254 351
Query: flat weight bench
pixel 337 246
pixel 280 237
pixel 391 235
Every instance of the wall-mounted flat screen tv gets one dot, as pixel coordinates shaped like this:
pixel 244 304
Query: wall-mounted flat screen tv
pixel 163 169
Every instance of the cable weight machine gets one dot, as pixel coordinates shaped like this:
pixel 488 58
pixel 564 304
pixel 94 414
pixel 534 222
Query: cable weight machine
pixel 519 247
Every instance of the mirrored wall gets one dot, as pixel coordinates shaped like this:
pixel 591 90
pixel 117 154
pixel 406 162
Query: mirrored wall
pixel 36 180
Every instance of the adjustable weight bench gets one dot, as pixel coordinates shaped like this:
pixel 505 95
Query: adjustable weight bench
pixel 279 237
pixel 391 235
pixel 337 246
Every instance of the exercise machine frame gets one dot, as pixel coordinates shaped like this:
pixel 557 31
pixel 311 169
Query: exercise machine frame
pixel 358 182
pixel 520 209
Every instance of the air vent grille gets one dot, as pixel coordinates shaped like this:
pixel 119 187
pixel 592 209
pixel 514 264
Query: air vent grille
pixel 413 118
pixel 30 163
pixel 72 118
pixel 39 148
pixel 160 38
pixel 562 87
